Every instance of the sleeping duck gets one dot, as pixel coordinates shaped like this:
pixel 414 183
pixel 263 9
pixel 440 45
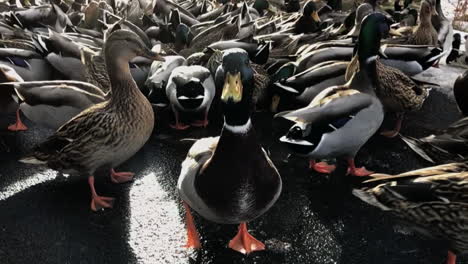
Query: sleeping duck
pixel 250 184
pixel 107 134
pixel 340 119
pixel 190 89
pixel 430 201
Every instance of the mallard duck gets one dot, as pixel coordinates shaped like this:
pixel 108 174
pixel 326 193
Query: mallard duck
pixel 362 11
pixel 300 89
pixel 340 119
pixel 158 77
pixel 250 184
pixel 431 201
pixel 190 89
pixel 455 51
pixel 424 33
pixel 30 65
pixel 52 103
pixel 460 90
pixel 397 92
pixel 108 133
pixel 309 21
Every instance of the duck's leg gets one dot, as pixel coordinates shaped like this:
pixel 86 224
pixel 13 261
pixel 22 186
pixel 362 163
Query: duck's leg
pixel 98 202
pixel 396 130
pixel 193 239
pixel 121 177
pixel 201 123
pixel 451 258
pixel 178 125
pixel 244 242
pixel 357 171
pixel 19 125
pixel 321 167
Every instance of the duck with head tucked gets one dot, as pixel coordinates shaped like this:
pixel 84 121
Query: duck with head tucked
pixel 106 134
pixel 230 179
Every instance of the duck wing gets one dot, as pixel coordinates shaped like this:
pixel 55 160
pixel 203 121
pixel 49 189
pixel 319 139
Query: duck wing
pixel 446 183
pixel 197 158
pixel 331 104
pixel 450 145
pixel 59 93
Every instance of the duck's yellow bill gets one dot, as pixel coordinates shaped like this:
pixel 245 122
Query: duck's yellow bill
pixel 315 16
pixel 232 88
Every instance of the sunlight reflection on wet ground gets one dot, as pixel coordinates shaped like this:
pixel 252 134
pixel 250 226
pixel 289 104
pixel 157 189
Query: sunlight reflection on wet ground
pixel 157 232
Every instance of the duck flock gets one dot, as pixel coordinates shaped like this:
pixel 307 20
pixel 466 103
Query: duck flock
pixel 97 72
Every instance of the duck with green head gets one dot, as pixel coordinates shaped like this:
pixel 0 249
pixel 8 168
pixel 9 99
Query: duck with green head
pixel 230 179
pixel 340 120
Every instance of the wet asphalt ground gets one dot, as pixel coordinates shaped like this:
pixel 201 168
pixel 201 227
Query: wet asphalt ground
pixel 45 217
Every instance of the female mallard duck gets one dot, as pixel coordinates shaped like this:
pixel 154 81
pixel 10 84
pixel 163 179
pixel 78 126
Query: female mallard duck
pixel 424 33
pixel 340 119
pixel 108 133
pixel 460 91
pixel 451 144
pixel 309 21
pixel 431 201
pixel 397 92
pixel 250 184
pixel 190 89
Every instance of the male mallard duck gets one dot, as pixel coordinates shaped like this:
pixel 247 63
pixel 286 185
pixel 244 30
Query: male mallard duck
pixel 340 119
pixel 300 89
pixel 431 201
pixel 250 184
pixel 53 103
pixel 460 90
pixel 108 133
pixel 158 77
pixel 309 21
pixel 190 89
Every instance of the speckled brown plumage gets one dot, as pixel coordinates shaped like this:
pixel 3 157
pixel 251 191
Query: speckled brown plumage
pixel 397 91
pixel 434 201
pixel 106 134
pixel 424 33
pixel 95 70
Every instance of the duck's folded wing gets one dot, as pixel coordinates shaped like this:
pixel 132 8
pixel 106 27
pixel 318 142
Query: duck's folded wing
pixel 330 104
pixel 197 157
pixel 443 183
pixel 59 93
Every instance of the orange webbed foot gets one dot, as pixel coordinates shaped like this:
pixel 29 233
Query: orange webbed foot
pixel 244 242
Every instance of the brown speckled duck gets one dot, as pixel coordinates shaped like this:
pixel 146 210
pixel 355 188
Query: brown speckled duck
pixel 432 201
pixel 106 134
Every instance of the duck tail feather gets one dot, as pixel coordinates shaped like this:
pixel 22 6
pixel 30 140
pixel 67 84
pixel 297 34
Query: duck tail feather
pixel 415 145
